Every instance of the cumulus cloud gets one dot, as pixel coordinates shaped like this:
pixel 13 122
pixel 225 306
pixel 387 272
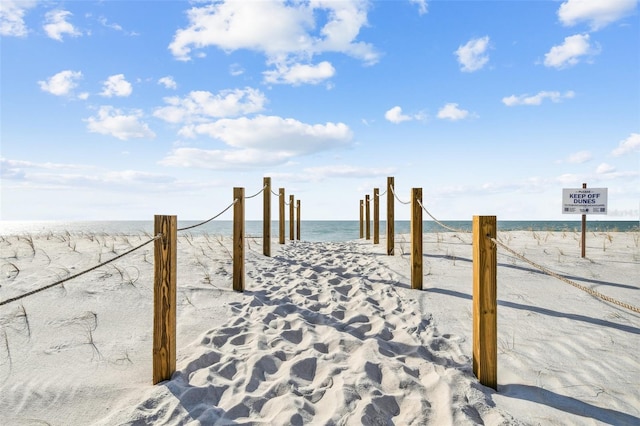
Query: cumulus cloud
pixel 303 30
pixel 168 82
pixel 56 25
pixel 199 106
pixel 116 85
pixel 297 74
pixel 536 99
pixel 570 52
pixel 598 14
pixel 276 133
pixel 12 14
pixel 472 56
pixel 451 112
pixel 630 144
pixel 112 121
pixel 395 115
pixel 62 83
pixel 259 141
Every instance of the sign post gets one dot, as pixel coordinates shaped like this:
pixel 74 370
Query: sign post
pixel 584 201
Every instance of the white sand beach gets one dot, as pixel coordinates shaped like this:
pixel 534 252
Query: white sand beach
pixel 324 334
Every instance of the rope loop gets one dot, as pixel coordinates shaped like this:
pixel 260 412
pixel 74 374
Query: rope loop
pixel 257 193
pixel 440 223
pixel 209 220
pixel 396 195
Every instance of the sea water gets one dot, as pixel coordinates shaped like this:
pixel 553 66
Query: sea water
pixel 310 230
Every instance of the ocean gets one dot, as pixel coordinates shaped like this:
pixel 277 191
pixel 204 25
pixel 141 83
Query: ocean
pixel 311 230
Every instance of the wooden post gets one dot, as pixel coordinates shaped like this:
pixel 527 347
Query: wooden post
pixel 291 218
pixel 281 215
pixel 238 239
pixel 376 216
pixel 367 224
pixel 390 219
pixel 361 218
pixel 583 250
pixel 298 220
pixel 416 239
pixel 164 298
pixel 485 333
pixel 266 218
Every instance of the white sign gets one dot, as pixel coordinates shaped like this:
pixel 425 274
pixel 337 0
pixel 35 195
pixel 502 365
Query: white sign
pixel 584 200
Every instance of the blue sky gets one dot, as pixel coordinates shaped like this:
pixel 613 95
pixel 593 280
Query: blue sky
pixel 124 109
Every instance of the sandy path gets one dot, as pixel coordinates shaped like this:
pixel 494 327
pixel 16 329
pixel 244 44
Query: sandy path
pixel 315 342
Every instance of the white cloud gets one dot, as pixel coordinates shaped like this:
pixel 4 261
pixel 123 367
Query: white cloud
pixel 303 29
pixel 199 106
pixel 112 121
pixel 168 82
pixel 472 56
pixel 396 116
pixel 259 141
pixel 537 99
pixel 62 83
pixel 451 112
pixel 116 85
pixel 300 74
pixel 56 25
pixel 422 6
pixel 12 17
pixel 599 13
pixel 276 133
pixel 631 144
pixel 569 52
pixel 580 157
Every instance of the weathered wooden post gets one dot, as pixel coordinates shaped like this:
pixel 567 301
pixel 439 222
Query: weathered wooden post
pixel 281 215
pixel 376 216
pixel 367 224
pixel 238 239
pixel 416 238
pixel 485 329
pixel 390 219
pixel 266 218
pixel 291 217
pixel 164 298
pixel 298 220
pixel 361 218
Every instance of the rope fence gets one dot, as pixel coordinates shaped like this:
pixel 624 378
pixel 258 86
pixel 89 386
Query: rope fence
pixel 566 280
pixel 484 249
pixel 165 261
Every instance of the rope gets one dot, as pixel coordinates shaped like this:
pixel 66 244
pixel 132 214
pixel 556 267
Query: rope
pixel 380 195
pixel 209 220
pixel 396 195
pixel 275 193
pixel 568 281
pixel 22 296
pixel 440 223
pixel 257 193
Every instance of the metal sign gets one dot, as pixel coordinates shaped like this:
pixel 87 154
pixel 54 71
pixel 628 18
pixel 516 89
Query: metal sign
pixel 584 200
